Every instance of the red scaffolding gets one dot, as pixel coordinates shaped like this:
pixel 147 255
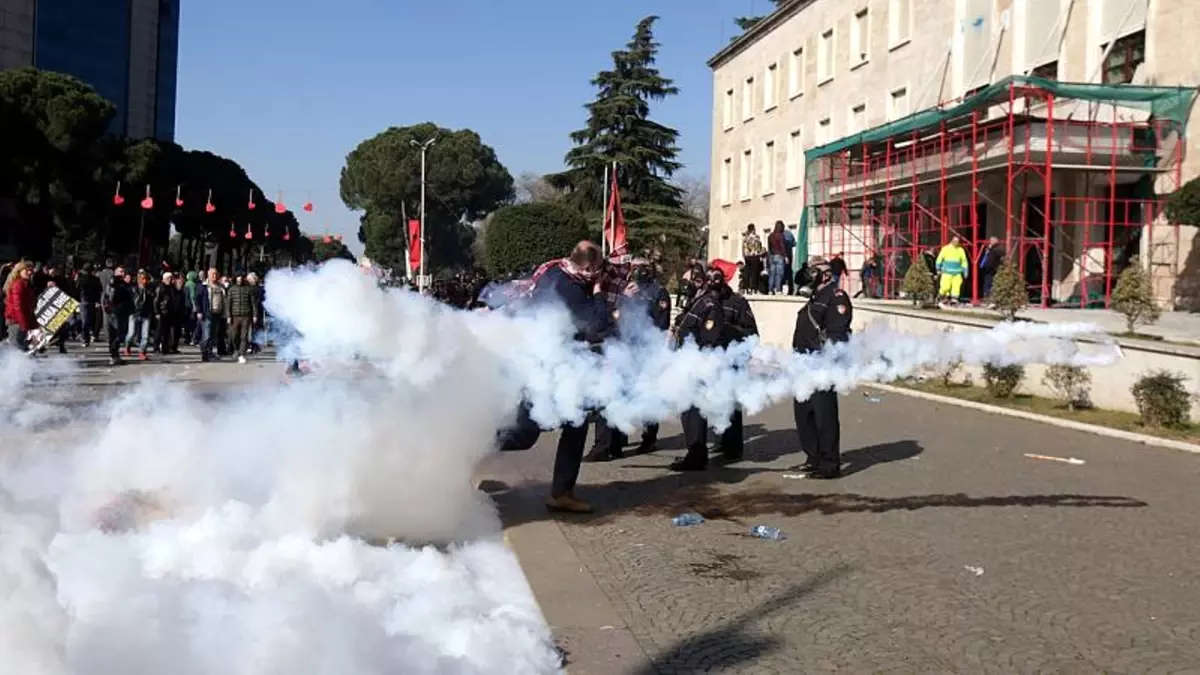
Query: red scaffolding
pixel 1068 178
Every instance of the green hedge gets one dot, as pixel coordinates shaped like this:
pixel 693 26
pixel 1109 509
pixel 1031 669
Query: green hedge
pixel 524 235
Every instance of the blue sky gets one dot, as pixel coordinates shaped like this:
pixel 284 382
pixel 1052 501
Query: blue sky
pixel 288 87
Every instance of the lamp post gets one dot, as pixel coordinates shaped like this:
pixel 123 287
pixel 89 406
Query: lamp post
pixel 424 148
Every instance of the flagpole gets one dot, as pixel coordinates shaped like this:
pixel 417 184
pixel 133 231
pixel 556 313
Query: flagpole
pixel 604 222
pixel 613 218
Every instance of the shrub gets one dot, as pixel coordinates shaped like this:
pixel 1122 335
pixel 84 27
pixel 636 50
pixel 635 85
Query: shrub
pixel 1002 381
pixel 525 235
pixel 1009 294
pixel 918 284
pixel 1070 384
pixel 1162 400
pixel 1183 206
pixel 1133 296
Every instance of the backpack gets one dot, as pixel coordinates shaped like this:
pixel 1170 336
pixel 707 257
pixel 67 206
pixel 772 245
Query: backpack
pixel 216 300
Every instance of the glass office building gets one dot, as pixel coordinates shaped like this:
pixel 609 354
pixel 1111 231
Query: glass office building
pixel 119 47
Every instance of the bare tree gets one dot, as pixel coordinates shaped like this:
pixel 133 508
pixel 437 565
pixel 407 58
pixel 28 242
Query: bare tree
pixel 532 187
pixel 695 197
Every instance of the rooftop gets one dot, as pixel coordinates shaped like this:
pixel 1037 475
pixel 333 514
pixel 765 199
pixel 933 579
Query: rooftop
pixel 786 10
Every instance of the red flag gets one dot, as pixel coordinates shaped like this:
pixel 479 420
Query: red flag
pixel 729 269
pixel 414 244
pixel 614 220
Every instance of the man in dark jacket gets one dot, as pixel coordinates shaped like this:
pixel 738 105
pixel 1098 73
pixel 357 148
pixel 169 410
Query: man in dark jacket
pixel 212 312
pixel 167 302
pixel 117 303
pixel 989 265
pixel 643 297
pixel 574 283
pixel 718 317
pixel 826 318
pixel 91 292
pixel 244 314
pixel 143 313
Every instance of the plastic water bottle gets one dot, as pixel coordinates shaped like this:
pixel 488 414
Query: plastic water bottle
pixel 764 532
pixel 686 519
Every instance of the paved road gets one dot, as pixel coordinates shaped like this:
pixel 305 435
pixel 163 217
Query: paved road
pixel 944 549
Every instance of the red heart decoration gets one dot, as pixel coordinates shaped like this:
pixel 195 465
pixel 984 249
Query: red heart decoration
pixel 287 235
pixel 280 208
pixel 308 206
pixel 118 200
pixel 250 206
pixel 148 203
pixel 209 208
pixel 327 240
pixel 178 203
pixel 232 232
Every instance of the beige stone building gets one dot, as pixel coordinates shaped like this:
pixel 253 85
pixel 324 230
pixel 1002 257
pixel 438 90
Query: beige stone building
pixel 1071 179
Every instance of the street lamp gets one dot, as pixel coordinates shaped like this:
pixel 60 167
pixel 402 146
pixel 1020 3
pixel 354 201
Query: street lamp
pixel 424 148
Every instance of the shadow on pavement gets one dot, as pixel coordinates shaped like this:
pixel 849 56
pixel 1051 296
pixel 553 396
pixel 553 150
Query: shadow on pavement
pixel 704 493
pixel 735 643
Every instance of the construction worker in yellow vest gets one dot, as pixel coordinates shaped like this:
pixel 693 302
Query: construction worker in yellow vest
pixel 952 264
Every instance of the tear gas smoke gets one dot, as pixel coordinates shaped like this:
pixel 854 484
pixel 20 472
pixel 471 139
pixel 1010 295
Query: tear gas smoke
pixel 167 532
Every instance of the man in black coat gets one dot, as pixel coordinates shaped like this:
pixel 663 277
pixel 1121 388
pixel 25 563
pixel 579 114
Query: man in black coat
pixel 825 318
pixel 575 283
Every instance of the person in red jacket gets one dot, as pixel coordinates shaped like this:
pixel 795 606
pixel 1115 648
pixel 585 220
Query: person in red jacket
pixel 19 304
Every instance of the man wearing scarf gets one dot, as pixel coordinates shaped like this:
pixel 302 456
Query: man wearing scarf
pixel 576 282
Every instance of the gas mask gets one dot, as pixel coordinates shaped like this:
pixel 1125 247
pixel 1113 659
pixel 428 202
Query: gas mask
pixel 715 280
pixel 819 276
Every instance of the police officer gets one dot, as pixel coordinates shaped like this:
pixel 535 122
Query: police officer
pixel 642 296
pixel 824 319
pixel 716 317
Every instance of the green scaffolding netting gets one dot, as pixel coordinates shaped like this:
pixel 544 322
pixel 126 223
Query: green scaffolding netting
pixel 1173 104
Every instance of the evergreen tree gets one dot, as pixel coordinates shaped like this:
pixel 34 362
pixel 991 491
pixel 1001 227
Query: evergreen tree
pixel 619 129
pixel 745 23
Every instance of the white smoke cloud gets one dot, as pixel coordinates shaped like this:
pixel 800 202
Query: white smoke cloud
pixel 167 532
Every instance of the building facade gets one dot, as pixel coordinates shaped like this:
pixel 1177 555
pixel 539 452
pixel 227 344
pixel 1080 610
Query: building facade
pixel 126 49
pixel 927 119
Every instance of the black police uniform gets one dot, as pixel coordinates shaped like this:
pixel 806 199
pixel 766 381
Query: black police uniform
pixel 826 318
pixel 718 317
pixel 610 442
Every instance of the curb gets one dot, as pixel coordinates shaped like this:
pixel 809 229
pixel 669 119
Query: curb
pixel 1045 419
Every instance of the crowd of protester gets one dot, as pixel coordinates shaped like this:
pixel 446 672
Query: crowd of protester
pixel 137 313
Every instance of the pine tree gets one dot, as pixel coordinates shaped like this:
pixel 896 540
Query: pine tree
pixel 619 129
pixel 745 23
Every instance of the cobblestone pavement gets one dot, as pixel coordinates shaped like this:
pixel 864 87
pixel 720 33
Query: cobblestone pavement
pixel 943 550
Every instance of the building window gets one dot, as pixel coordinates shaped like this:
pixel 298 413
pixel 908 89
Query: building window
pixel 860 38
pixel 768 168
pixel 770 87
pixel 898 104
pixel 727 181
pixel 899 22
pixel 1048 71
pixel 858 118
pixel 824 131
pixel 825 57
pixel 748 99
pixel 727 110
pixel 796 73
pixel 795 155
pixel 1127 54
pixel 744 174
